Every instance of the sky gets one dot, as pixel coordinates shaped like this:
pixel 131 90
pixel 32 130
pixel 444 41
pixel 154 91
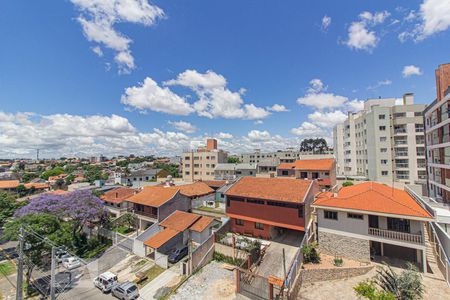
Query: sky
pixel 111 77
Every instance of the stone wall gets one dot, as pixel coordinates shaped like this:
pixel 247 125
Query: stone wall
pixel 350 247
pixel 314 275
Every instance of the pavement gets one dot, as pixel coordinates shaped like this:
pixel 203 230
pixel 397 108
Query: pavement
pixel 168 278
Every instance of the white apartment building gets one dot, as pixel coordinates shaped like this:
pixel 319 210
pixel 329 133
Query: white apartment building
pixel 200 164
pixel 384 142
pixel 289 155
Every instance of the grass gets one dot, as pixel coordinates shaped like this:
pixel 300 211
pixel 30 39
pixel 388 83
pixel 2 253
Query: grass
pixel 152 273
pixel 7 268
pixel 96 251
pixel 227 259
pixel 123 229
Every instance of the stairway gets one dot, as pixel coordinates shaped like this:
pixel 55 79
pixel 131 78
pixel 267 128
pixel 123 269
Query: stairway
pixel 433 269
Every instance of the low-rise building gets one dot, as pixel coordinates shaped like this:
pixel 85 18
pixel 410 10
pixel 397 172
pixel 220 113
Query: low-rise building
pixel 9 185
pixel 233 171
pixel 140 178
pixel 266 207
pixel 115 200
pixel 371 219
pixel 322 170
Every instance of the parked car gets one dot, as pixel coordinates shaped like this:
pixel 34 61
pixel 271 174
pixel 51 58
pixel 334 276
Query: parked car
pixel 106 281
pixel 126 291
pixel 178 254
pixel 71 263
pixel 61 257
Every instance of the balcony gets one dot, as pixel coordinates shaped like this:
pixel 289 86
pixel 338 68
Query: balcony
pixel 147 214
pixel 395 235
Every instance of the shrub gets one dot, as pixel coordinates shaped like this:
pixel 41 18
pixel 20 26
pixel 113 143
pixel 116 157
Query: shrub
pixel 404 286
pixel 338 261
pixel 228 259
pixel 310 254
pixel 368 290
pixel 347 183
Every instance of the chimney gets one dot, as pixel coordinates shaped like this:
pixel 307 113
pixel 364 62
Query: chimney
pixel 211 144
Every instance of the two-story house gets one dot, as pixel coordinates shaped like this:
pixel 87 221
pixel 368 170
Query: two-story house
pixel 266 207
pixel 322 170
pixel 371 219
pixel 115 200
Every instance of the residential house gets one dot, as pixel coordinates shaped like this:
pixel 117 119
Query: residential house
pixel 371 219
pixel 233 171
pixel 323 170
pixel 9 185
pixel 140 178
pixel 266 207
pixel 115 200
pixel 53 179
pixel 37 186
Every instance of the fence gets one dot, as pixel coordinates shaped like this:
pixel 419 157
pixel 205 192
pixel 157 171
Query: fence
pixel 441 257
pixel 203 254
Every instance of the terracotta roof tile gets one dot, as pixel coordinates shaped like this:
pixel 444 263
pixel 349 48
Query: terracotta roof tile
pixel 373 197
pixel 196 189
pixel 215 183
pixel 201 224
pixel 9 184
pixel 153 196
pixel 161 238
pixel 280 189
pixel 180 220
pixel 118 195
pixel 36 185
pixel 324 164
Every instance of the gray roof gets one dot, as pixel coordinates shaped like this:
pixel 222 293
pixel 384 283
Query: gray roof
pixel 147 172
pixel 232 167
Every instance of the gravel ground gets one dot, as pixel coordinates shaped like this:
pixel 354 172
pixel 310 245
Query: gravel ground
pixel 211 282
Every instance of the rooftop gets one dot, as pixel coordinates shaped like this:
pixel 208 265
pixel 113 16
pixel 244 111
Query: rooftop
pixel 180 220
pixel 153 196
pixel 373 197
pixel 196 189
pixel 118 195
pixel 324 164
pixel 280 189
pixel 9 184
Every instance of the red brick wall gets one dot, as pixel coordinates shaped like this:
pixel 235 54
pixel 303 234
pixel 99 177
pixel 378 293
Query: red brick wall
pixel 249 229
pixel 442 80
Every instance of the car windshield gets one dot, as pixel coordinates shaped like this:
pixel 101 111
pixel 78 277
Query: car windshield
pixel 132 289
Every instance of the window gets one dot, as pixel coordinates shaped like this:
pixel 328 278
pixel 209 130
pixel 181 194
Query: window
pixel 332 215
pixel 355 216
pixel 384 161
pixel 381 117
pixel 418 114
pixel 255 201
pixel 303 174
pixel 382 139
pixel 239 222
pixel 259 226
pixel 382 128
pixel 401 225
pixel 284 172
pixel 300 211
pixel 399 115
pixel 383 150
pixel 384 173
pixel 315 175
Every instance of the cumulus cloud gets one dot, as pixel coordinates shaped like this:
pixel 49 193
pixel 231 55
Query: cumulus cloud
pixel 149 95
pixel 379 84
pixel 98 17
pixel 224 135
pixel 355 105
pixel 317 98
pixel 327 119
pixel 411 70
pixel 360 36
pixel 307 129
pixel 183 126
pixel 278 108
pixel 257 135
pixel 326 22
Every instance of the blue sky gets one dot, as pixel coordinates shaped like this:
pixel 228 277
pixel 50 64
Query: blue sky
pixel 219 67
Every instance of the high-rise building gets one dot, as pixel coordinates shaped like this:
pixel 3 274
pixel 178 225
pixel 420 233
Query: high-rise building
pixel 384 142
pixel 199 164
pixel 437 132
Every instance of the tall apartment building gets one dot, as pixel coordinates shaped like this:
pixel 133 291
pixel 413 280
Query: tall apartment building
pixel 200 164
pixel 437 132
pixel 281 156
pixel 384 142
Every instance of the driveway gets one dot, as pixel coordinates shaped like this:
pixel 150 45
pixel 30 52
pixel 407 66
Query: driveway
pixel 165 280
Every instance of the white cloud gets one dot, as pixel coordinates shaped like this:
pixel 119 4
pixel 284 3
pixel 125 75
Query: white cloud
pixel 215 99
pixel 148 95
pixel 258 122
pixel 278 108
pixel 97 50
pixel 374 18
pixel 327 119
pixel 326 22
pixel 183 126
pixel 308 129
pixel 435 16
pixel 98 17
pixel 224 135
pixel 379 84
pixel 355 105
pixel 411 70
pixel 360 37
pixel 316 86
pixel 257 135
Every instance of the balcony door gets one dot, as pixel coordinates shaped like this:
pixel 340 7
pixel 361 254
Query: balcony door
pixel 400 225
pixel 373 221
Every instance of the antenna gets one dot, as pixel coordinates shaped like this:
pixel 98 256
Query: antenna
pixel 37 154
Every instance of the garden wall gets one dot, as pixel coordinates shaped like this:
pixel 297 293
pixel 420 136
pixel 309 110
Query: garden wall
pixel 314 275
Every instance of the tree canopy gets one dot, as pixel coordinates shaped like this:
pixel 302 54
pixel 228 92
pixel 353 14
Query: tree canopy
pixel 233 160
pixel 8 206
pixel 53 172
pixel 316 145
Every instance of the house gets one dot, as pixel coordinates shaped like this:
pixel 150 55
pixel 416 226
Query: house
pixel 233 171
pixel 324 170
pixel 155 203
pixel 140 177
pixel 176 231
pixel 53 179
pixel 371 219
pixel 115 200
pixel 215 184
pixel 37 186
pixel 265 207
pixel 9 185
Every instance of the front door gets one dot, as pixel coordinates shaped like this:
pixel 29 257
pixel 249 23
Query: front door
pixel 373 221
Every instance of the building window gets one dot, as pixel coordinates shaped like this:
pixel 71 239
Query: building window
pixel 259 226
pixel 284 173
pixel 300 211
pixel 382 128
pixel 315 175
pixel 355 216
pixel 382 139
pixel 383 150
pixel 381 117
pixel 384 161
pixel 401 225
pixel 384 173
pixel 255 201
pixel 332 215
pixel 239 222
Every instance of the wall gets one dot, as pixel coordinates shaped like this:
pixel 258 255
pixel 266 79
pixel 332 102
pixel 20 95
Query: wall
pixel 203 254
pixel 178 202
pixel 138 245
pixel 200 237
pixel 353 248
pixel 315 275
pixel 248 228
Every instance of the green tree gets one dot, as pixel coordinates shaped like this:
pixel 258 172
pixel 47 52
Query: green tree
pixel 368 290
pixel 21 190
pixel 53 172
pixel 233 160
pixel 171 168
pixel 27 177
pixel 347 183
pixel 316 145
pixel 8 206
pixel 404 286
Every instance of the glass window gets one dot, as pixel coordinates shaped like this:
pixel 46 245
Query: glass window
pixel 259 226
pixel 381 117
pixel 355 216
pixel 239 222
pixel 331 215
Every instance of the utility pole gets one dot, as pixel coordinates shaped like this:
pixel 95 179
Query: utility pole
pixel 52 276
pixel 19 285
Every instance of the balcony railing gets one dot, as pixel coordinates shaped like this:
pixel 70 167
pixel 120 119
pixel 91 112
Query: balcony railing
pixel 395 235
pixel 146 214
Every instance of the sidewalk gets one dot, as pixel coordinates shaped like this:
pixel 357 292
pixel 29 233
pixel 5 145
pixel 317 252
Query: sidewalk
pixel 168 278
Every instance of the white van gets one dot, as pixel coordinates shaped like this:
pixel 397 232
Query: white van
pixel 106 281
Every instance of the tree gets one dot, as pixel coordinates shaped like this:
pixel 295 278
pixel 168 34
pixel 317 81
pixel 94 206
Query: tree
pixel 21 190
pixel 233 160
pixel 316 145
pixel 368 290
pixel 171 168
pixel 8 206
pixel 310 253
pixel 347 183
pixel 53 172
pixel 26 177
pixel 404 286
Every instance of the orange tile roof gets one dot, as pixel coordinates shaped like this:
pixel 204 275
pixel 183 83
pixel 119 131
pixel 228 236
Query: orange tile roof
pixel 54 178
pixel 153 196
pixel 215 183
pixel 58 192
pixel 180 220
pixel 324 181
pixel 118 195
pixel 373 197
pixel 36 185
pixel 196 189
pixel 9 184
pixel 161 238
pixel 201 224
pixel 324 164
pixel 280 189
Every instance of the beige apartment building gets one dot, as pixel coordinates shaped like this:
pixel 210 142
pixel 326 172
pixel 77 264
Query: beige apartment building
pixel 200 164
pixel 384 142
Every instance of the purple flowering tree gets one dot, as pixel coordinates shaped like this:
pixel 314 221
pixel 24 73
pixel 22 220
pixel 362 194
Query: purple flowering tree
pixel 79 207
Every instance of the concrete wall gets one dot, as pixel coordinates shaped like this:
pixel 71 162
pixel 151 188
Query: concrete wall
pixel 178 202
pixel 200 237
pixel 203 254
pixel 315 275
pixel 138 244
pixel 353 248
